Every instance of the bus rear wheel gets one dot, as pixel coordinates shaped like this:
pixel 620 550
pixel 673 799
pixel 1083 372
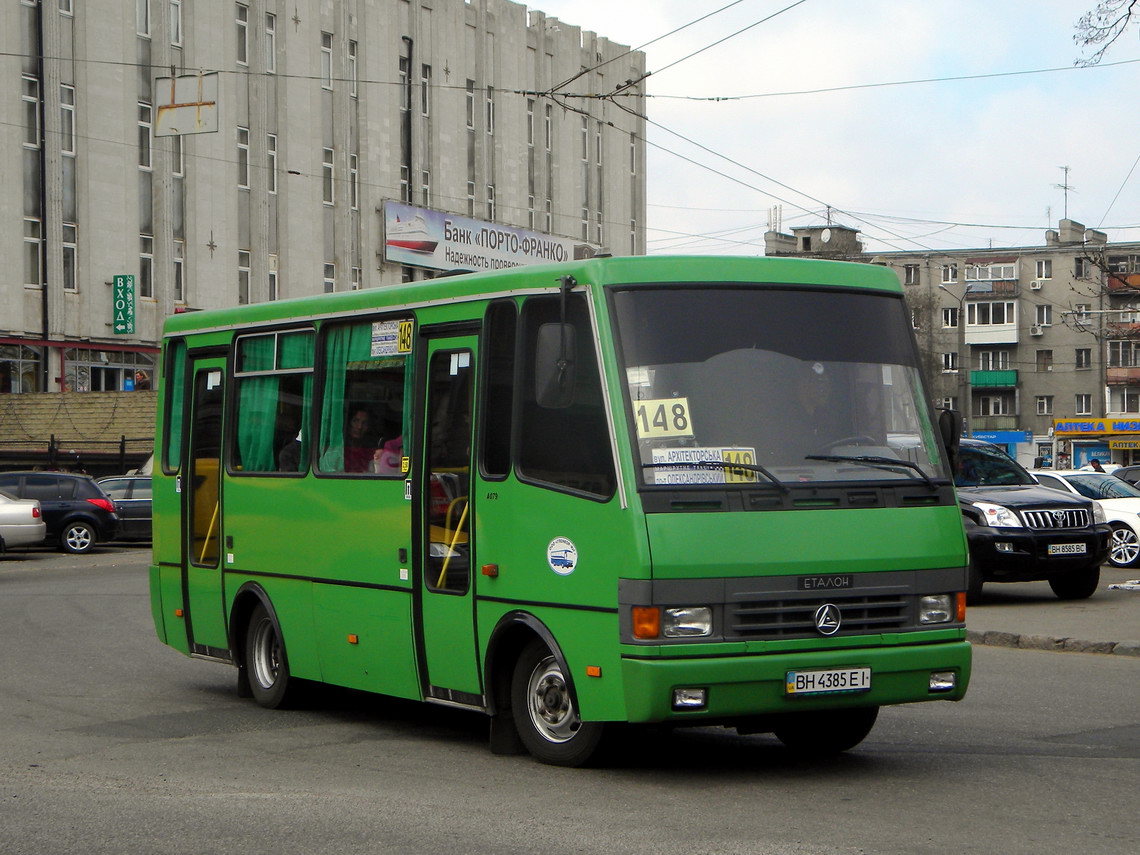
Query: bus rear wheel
pixel 266 667
pixel 545 711
pixel 825 732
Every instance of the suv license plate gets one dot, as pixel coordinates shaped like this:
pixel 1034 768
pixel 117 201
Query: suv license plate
pixel 1067 549
pixel 825 682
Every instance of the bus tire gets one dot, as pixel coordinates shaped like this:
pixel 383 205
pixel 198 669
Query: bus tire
pixel 545 711
pixel 266 666
pixel 824 732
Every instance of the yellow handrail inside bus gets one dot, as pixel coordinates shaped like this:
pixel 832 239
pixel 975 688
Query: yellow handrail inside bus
pixel 451 546
pixel 209 533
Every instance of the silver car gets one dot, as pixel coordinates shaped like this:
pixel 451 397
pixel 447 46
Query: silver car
pixel 21 522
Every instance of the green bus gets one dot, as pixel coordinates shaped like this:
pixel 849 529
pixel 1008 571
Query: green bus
pixel 679 490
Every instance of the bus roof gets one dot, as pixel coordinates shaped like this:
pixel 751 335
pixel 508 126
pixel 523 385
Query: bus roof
pixel 607 271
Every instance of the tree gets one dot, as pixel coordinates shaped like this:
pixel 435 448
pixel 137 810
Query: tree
pixel 1099 28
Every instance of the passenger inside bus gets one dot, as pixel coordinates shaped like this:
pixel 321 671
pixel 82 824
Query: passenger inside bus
pixel 359 446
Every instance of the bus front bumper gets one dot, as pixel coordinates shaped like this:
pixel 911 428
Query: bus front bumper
pixel 750 685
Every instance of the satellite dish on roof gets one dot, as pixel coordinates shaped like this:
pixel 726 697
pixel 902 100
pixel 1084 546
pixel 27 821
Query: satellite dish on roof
pixel 825 235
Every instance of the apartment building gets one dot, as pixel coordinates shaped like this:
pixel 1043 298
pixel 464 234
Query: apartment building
pixel 172 155
pixel 1038 347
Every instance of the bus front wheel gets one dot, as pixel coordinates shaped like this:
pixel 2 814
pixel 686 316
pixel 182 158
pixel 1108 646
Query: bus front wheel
pixel 266 667
pixel 545 712
pixel 824 732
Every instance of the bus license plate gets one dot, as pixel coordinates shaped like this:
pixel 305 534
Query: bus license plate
pixel 825 682
pixel 1067 549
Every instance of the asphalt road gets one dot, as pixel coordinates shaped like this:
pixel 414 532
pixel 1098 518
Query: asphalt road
pixel 112 743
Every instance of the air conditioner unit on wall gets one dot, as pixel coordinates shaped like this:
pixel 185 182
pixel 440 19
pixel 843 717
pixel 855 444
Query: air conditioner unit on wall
pixel 1035 285
pixel 1035 330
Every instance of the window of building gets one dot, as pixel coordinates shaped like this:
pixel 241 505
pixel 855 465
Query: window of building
pixel 327 184
pixel 146 135
pixel 32 272
pixel 995 405
pixel 67 118
pixel 490 109
pixel 1044 269
pixel 910 274
pixel 271 162
pixel 950 363
pixel 243 276
pixel 273 293
pixel 87 370
pixel 470 103
pixel 949 272
pixel 491 202
pixel 354 181
pixel 70 262
pixel 176 23
pixel 1044 360
pixel 1083 357
pixel 20 368
pixel 274 377
pixel 177 161
pixel 425 90
pixel 1123 354
pixel 1043 314
pixel 1081 268
pixel 243 158
pixel 425 187
pixel 1082 404
pixel 179 282
pixel 530 122
pixel 65 8
pixel 1081 316
pixel 242 21
pixel 146 266
pixel 1044 405
pixel 950 403
pixel 363 422
pixel 993 360
pixel 30 96
pixel 357 279
pixel 142 17
pixel 471 198
pixel 353 72
pixel 330 278
pixel 990 314
pixel 270 43
pixel 998 271
pixel 950 317
pixel 326 61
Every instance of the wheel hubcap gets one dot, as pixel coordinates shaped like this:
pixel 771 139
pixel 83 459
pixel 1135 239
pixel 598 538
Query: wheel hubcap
pixel 266 655
pixel 548 702
pixel 79 538
pixel 1125 546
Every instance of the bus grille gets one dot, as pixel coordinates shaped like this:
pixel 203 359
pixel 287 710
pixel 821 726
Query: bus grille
pixel 796 617
pixel 1059 518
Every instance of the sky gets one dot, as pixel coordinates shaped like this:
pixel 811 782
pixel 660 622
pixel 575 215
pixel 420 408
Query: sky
pixel 941 165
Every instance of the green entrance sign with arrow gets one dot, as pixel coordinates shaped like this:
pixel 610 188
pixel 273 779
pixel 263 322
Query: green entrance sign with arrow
pixel 123 319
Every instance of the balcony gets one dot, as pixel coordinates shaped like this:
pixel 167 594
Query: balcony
pixel 985 424
pixel 993 379
pixel 1122 376
pixel 991 333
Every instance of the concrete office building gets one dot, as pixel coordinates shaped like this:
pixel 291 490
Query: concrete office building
pixel 321 115
pixel 1037 346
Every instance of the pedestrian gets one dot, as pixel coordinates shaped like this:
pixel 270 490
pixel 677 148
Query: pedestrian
pixel 1095 463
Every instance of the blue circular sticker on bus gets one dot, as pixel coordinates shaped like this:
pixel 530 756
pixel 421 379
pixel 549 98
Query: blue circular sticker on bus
pixel 562 556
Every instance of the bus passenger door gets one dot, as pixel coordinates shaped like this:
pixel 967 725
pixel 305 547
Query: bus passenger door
pixel 445 551
pixel 200 483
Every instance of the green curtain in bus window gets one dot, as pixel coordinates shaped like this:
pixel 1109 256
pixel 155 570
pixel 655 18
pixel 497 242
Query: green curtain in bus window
pixel 296 350
pixel 256 407
pixel 344 344
pixel 175 383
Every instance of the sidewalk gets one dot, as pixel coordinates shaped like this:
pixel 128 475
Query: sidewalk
pixel 1028 615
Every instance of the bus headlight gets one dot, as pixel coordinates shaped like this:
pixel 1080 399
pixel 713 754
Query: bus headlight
pixel 688 622
pixel 938 608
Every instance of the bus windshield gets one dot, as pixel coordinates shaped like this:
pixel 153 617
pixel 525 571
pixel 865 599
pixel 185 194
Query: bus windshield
pixel 754 385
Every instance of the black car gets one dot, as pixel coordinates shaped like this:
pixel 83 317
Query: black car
pixel 77 512
pixel 131 495
pixel 1020 531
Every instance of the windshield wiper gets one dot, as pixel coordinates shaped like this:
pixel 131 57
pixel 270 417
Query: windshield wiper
pixel 720 464
pixel 878 462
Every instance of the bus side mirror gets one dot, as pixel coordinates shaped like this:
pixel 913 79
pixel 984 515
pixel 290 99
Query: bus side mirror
pixel 555 361
pixel 950 428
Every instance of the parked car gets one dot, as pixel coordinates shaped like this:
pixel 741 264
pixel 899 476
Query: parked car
pixel 1019 531
pixel 77 512
pixel 1131 474
pixel 21 522
pixel 1119 500
pixel 131 495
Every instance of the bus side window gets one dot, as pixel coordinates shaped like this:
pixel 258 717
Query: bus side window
pixel 174 388
pixel 363 418
pixel 498 343
pixel 274 374
pixel 567 447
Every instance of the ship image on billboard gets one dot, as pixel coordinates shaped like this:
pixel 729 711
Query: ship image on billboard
pixel 422 237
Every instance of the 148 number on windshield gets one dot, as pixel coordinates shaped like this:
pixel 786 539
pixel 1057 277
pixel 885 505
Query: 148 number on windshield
pixel 663 418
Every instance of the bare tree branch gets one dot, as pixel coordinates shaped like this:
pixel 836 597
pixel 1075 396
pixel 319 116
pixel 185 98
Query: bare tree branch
pixel 1102 26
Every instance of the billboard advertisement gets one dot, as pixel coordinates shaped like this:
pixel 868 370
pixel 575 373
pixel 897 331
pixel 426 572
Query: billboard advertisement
pixel 422 237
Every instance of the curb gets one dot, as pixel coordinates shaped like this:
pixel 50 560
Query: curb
pixel 993 638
